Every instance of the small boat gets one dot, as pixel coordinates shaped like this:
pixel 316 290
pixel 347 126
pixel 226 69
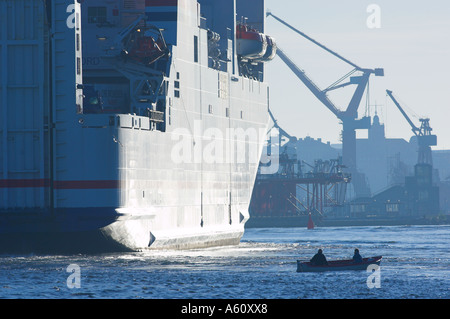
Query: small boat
pixel 338 265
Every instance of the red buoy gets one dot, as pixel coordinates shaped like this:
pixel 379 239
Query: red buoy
pixel 310 222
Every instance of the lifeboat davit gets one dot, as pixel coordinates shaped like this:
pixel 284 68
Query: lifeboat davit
pixel 251 44
pixel 271 51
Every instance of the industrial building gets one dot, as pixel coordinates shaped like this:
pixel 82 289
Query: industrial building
pixel 387 178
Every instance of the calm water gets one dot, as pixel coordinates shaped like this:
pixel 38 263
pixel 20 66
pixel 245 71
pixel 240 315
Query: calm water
pixel 416 264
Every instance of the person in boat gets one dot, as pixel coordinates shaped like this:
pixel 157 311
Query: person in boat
pixel 357 257
pixel 319 259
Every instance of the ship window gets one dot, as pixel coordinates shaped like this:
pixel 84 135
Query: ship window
pixel 78 42
pixel 177 88
pixel 227 112
pixel 77 21
pixel 195 48
pixel 242 114
pixel 129 4
pixel 358 208
pixel 78 66
pixel 392 208
pixel 210 109
pixel 96 14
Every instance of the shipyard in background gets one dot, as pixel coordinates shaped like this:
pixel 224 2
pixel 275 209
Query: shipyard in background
pixel 362 181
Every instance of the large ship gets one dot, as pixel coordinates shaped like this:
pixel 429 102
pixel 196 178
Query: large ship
pixel 129 124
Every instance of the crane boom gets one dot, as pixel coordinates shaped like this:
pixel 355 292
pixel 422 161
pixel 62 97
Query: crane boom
pixel 308 82
pixel 424 137
pixel 314 41
pixel 361 81
pixel 414 128
pixel 283 132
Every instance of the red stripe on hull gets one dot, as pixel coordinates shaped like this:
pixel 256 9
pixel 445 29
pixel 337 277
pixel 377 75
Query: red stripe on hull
pixel 24 183
pixel 36 183
pixel 86 184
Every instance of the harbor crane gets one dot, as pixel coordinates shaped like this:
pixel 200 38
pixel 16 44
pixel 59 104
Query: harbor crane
pixel 349 117
pixel 283 133
pixel 423 133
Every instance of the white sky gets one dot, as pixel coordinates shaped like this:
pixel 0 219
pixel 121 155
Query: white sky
pixel 412 45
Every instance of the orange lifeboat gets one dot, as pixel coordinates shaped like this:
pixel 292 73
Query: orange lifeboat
pixel 143 48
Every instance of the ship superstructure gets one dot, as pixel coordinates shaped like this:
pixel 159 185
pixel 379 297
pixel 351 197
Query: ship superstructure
pixel 130 124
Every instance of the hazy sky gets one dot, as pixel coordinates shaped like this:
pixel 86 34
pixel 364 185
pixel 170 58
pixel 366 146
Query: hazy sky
pixel 412 45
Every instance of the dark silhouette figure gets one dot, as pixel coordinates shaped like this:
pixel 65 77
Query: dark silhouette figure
pixel 357 257
pixel 319 259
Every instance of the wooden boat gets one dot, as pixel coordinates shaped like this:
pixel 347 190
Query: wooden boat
pixel 338 265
